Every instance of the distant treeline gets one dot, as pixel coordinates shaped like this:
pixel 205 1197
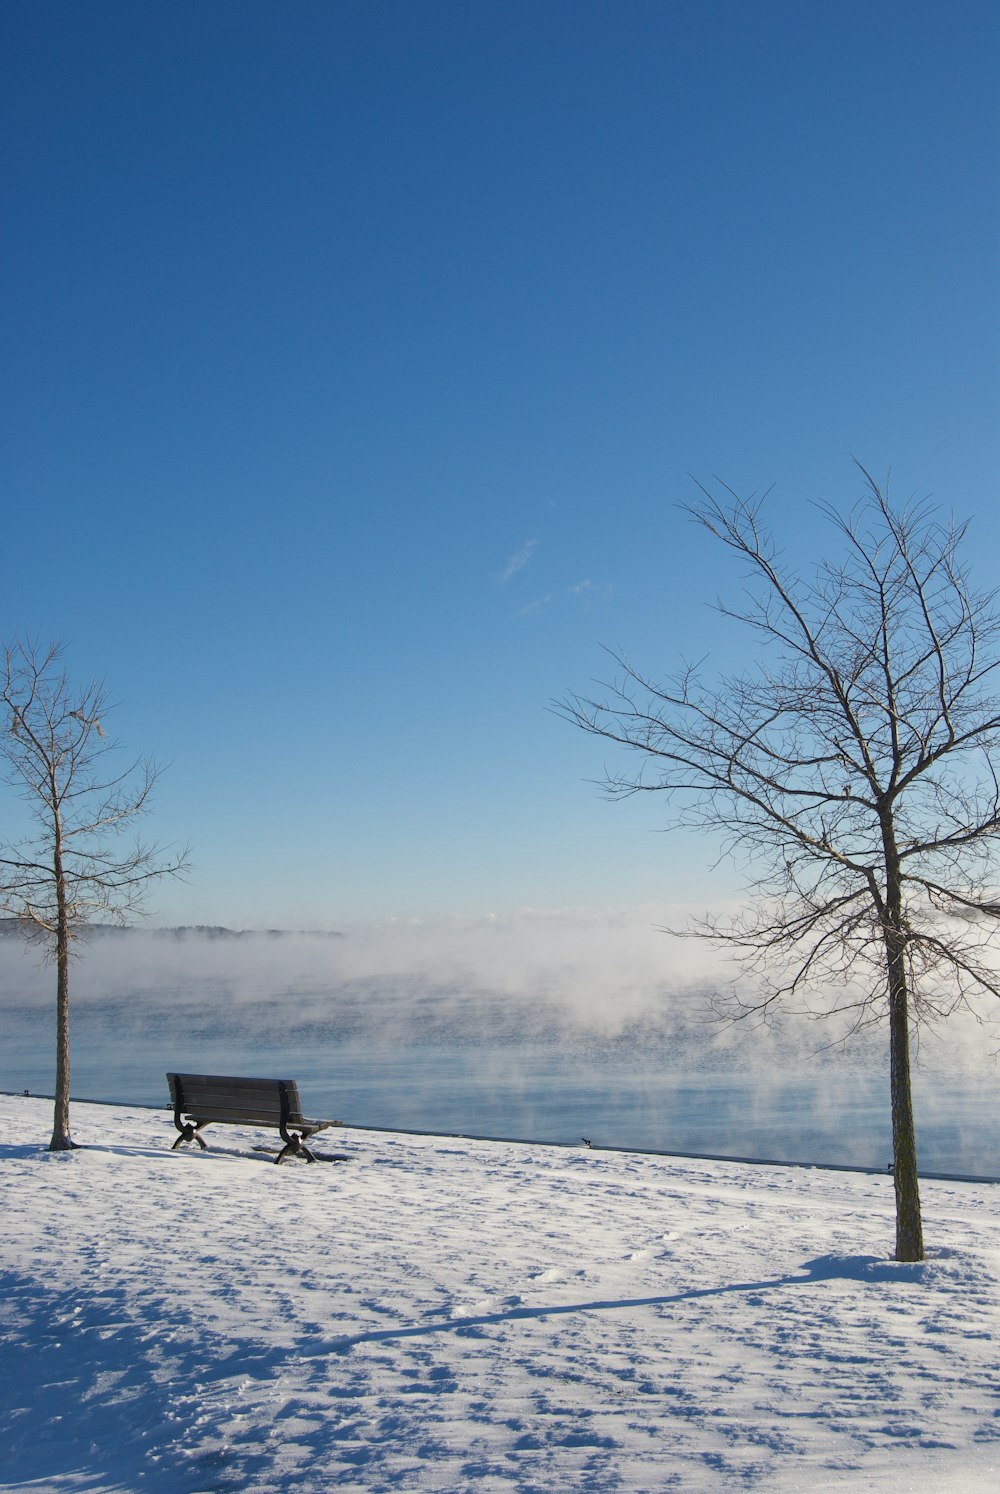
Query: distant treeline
pixel 20 928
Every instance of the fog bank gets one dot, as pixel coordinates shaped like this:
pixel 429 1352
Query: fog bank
pixel 605 982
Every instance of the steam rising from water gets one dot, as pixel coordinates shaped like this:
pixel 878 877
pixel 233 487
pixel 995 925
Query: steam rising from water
pixel 541 1025
pixel 599 984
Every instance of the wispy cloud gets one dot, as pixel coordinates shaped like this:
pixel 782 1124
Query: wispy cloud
pixel 518 561
pixel 530 609
pixel 588 593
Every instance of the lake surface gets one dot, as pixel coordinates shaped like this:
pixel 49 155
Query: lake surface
pixel 632 1094
pixel 483 1046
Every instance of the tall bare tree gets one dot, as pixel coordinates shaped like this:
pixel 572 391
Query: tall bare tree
pixel 853 771
pixel 70 868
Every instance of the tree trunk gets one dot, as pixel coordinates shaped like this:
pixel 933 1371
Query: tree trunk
pixel 909 1229
pixel 61 1141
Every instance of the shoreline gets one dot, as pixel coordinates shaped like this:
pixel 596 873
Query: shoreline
pixel 570 1146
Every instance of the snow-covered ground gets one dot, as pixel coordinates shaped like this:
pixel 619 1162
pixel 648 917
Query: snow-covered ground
pixel 446 1314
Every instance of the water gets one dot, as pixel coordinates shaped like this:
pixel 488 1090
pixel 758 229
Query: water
pixel 489 1034
pixel 631 1092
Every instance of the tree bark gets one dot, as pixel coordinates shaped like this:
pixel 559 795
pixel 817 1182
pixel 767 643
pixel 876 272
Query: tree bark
pixel 909 1230
pixel 61 1141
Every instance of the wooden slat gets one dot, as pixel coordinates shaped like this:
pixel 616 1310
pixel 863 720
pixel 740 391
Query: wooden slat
pixel 253 1118
pixel 227 1100
pixel 236 1115
pixel 191 1083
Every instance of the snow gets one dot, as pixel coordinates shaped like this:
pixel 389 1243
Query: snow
pixel 444 1314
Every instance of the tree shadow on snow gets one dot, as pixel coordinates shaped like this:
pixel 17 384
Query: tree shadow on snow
pixel 860 1268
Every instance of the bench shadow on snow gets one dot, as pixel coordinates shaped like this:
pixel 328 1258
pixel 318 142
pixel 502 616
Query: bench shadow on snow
pixel 20 1151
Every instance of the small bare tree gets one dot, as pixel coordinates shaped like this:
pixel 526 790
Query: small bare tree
pixel 853 771
pixel 69 870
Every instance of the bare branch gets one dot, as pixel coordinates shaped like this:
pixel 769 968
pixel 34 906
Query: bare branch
pixel 853 772
pixel 61 762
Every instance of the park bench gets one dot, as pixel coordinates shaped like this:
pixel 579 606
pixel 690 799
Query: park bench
pixel 201 1100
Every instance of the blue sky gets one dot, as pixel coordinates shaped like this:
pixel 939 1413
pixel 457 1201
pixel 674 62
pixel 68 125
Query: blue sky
pixel 357 357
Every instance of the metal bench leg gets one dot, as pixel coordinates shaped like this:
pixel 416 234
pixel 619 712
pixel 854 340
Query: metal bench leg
pixel 294 1142
pixel 189 1132
pixel 294 1147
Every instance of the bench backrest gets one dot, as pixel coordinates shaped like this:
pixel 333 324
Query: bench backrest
pixel 223 1097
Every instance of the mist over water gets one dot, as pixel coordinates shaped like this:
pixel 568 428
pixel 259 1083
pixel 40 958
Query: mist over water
pixel 549 1026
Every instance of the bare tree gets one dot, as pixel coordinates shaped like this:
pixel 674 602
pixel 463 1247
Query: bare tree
pixel 69 869
pixel 853 771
